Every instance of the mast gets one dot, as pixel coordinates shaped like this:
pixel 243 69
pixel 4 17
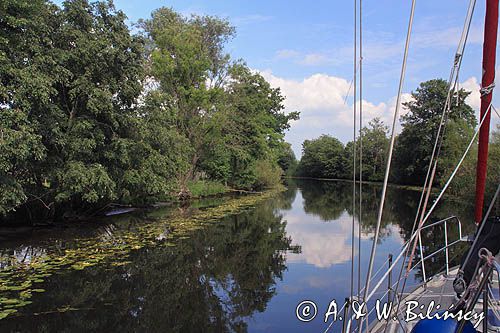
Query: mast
pixel 487 84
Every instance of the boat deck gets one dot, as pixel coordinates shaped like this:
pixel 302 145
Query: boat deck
pixel 440 290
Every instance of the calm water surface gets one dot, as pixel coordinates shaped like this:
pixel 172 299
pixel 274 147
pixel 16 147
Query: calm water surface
pixel 244 274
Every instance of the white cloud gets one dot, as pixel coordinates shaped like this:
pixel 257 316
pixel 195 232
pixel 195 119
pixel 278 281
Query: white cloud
pixel 314 59
pixel 326 243
pixel 474 99
pixel 449 37
pixel 320 98
pixel 249 19
pixel 286 54
pixel 316 92
pixel 321 246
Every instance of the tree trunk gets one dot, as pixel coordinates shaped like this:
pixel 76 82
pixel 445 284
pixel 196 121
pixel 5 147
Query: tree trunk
pixel 185 193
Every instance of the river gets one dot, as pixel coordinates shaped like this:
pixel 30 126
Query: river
pixel 244 272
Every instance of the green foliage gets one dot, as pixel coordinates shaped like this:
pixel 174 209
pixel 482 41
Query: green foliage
pixel 92 114
pixel 322 158
pixel 255 128
pixel 287 160
pixel 326 157
pixel 420 125
pixel 155 155
pixel 20 149
pixel 203 188
pixel 493 175
pixel 375 143
pixel 73 79
pixel 186 53
pixel 90 182
pixel 229 116
pixel 268 174
pixel 464 182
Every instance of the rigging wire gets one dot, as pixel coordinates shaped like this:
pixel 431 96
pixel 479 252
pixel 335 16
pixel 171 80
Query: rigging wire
pixel 360 139
pixel 354 152
pixel 348 92
pixel 446 110
pixel 453 77
pixel 415 233
pixel 493 201
pixel 436 147
pixel 389 157
pixel 496 111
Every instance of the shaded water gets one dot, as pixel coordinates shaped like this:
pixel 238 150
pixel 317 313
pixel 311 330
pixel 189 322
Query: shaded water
pixel 247 272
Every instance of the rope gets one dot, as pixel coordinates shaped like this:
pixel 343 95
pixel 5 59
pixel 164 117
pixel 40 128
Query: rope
pixel 487 90
pixel 415 233
pixel 389 157
pixel 479 280
pixel 486 254
pixel 492 203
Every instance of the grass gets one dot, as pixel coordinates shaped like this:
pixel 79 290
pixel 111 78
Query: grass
pixel 205 188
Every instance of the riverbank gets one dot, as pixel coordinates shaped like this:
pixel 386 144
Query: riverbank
pixel 415 188
pixel 403 187
pixel 200 189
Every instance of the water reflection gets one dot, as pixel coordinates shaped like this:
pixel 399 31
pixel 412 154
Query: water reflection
pixel 208 282
pixel 322 244
pixel 245 273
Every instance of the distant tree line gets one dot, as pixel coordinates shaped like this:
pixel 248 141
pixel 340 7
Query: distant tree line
pixel 327 157
pixel 92 113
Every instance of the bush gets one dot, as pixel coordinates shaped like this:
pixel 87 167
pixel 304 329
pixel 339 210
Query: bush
pixel 203 188
pixel 268 174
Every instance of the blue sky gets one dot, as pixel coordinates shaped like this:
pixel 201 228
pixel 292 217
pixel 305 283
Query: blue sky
pixel 305 48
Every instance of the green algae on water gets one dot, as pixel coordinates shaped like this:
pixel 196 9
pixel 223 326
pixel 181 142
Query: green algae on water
pixel 19 280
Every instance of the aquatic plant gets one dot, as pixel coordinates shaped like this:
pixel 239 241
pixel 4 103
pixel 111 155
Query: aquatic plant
pixel 19 280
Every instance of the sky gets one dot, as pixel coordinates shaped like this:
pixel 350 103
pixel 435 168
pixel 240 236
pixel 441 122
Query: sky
pixel 306 49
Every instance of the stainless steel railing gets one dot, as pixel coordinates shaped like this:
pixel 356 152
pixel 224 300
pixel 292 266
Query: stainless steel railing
pixel 392 263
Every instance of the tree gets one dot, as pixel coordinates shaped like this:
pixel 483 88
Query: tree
pixel 188 60
pixel 375 143
pixel 23 27
pixel 420 125
pixel 322 158
pixel 70 79
pixel 100 72
pixel 155 154
pixel 255 130
pixel 231 117
pixel 287 160
pixel 92 114
pixel 463 185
